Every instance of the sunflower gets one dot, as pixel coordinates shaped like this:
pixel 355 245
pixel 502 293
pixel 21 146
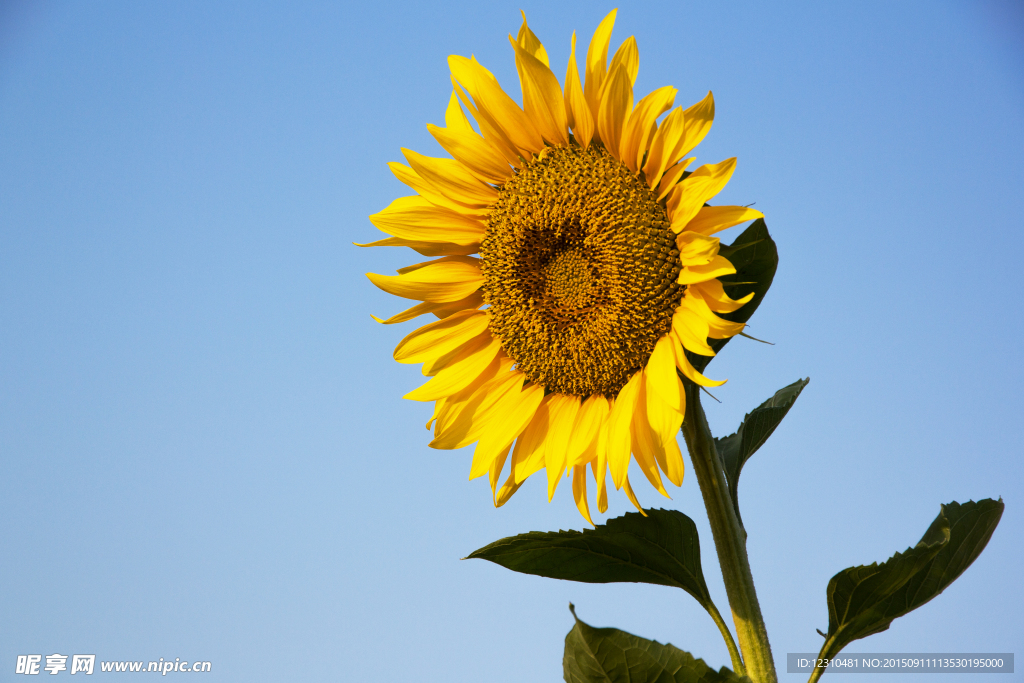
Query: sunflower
pixel 573 262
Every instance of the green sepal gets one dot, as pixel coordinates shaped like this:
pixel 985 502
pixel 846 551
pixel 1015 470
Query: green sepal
pixel 735 449
pixel 755 258
pixel 661 548
pixel 865 600
pixel 608 655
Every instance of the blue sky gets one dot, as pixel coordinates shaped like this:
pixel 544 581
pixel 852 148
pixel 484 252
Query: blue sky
pixel 204 448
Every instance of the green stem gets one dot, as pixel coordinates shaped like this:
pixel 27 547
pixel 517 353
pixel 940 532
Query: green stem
pixel 734 653
pixel 730 542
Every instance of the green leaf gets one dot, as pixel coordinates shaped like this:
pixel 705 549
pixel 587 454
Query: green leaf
pixel 755 258
pixel 865 600
pixel 608 655
pixel 757 426
pixel 661 548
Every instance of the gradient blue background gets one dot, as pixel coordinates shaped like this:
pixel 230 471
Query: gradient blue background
pixel 204 450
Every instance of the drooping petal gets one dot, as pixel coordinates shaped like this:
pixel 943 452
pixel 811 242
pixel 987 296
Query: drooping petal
pixel 515 410
pixel 712 219
pixel 415 218
pixel 543 100
pixel 661 375
pixel 619 437
pixel 438 338
pixel 578 113
pixel 449 278
pixel 616 104
pixel 691 331
pixel 528 456
pixel 646 447
pixel 664 422
pixel 591 416
pixel 641 124
pixel 563 410
pixel 697 188
pixel 490 98
pixel 632 497
pixel 579 491
pixel 476 417
pixel 690 372
pixel 497 464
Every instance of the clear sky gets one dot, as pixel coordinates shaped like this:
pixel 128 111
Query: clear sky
pixel 204 450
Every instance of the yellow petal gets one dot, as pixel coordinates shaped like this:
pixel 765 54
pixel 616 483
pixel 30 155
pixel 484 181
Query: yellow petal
pixel 616 104
pixel 665 148
pixel 579 491
pixel 597 63
pixel 474 152
pixel 474 300
pixel 516 409
pixel 490 98
pixel 696 249
pixel 529 42
pixel 642 123
pixel 628 57
pixel 712 219
pixel 497 464
pixel 671 177
pixel 578 114
pixel 528 456
pixel 452 179
pixel 563 410
pixel 592 415
pixel 543 100
pixel 480 411
pixel 661 375
pixel 430 193
pixel 449 408
pixel 457 375
pixel 691 331
pixel 490 129
pixel 697 188
pixel 435 364
pixel 449 278
pixel 690 372
pixel 619 437
pixel 698 119
pixel 507 490
pixel 427 248
pixel 718 267
pixel 714 294
pixel 664 422
pixel 438 338
pixel 718 328
pixel 599 468
pixel 415 218
pixel 645 446
pixel 454 118
pixel 632 497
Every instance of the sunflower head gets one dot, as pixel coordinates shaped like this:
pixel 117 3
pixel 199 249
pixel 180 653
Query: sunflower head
pixel 573 264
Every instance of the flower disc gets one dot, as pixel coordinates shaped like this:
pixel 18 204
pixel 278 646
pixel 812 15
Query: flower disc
pixel 580 270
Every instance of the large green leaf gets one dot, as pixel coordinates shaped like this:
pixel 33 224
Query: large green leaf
pixel 865 600
pixel 608 655
pixel 757 426
pixel 755 258
pixel 661 548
